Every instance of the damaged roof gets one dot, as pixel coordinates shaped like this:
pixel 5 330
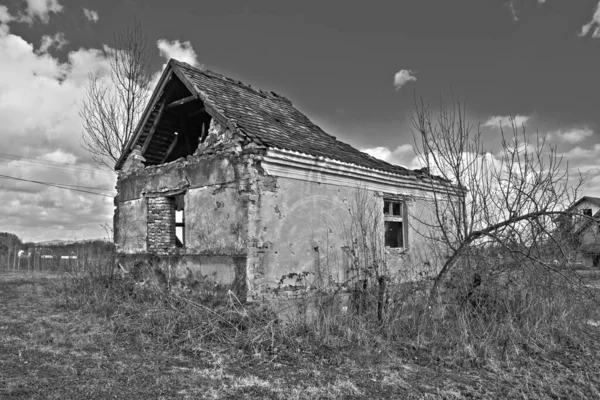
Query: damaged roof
pixel 263 117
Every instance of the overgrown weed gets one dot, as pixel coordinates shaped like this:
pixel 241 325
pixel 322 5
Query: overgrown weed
pixel 482 318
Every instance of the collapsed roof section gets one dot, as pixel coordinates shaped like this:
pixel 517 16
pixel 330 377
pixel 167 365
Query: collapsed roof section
pixel 186 98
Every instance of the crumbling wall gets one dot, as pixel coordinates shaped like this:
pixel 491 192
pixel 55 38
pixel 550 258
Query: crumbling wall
pixel 422 257
pixel 131 226
pixel 302 226
pixel 161 231
pixel 242 226
pixel 216 184
pixel 590 235
pixel 298 229
pixel 216 220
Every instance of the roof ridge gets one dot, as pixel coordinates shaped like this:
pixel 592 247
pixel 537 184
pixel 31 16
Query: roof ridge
pixel 217 75
pixel 592 199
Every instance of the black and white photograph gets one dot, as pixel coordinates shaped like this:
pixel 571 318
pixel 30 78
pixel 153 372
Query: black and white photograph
pixel 299 200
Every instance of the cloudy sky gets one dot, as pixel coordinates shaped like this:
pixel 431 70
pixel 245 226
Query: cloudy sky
pixel 354 67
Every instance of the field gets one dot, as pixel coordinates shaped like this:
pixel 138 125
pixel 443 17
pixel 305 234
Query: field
pixel 52 350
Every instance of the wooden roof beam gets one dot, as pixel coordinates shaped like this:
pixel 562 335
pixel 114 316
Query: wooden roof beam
pixel 154 125
pixel 181 102
pixel 167 94
pixel 170 150
pixel 196 112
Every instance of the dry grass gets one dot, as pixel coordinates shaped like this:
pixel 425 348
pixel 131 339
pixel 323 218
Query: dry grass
pixel 77 337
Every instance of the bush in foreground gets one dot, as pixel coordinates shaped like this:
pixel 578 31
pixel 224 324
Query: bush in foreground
pixel 481 318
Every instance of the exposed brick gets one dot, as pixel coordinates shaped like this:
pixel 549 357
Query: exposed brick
pixel 161 224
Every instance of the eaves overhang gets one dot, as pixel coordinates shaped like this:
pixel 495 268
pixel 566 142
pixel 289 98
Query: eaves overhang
pixel 296 165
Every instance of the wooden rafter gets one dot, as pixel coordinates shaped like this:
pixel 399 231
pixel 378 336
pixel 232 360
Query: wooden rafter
pixel 154 125
pixel 196 112
pixel 184 131
pixel 181 102
pixel 184 80
pixel 171 148
pixel 164 80
pixel 203 133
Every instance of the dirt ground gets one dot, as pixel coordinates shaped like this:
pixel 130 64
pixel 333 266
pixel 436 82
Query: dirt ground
pixel 50 352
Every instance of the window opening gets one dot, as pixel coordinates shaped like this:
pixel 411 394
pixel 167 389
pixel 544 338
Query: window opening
pixel 393 215
pixel 587 212
pixel 179 221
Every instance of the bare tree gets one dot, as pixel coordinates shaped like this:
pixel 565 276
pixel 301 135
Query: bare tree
pixel 364 244
pixel 510 200
pixel 112 107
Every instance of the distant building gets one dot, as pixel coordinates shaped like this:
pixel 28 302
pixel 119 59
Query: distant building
pixel 584 229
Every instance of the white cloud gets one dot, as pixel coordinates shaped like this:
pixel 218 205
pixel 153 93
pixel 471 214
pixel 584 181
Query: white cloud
pixel 40 9
pixel 515 7
pixel 498 121
pixel 39 97
pixel 5 16
pixel 40 212
pixel 575 135
pixel 513 11
pixel 404 76
pixel 584 161
pixel 91 15
pixel 58 41
pixel 39 113
pixel 594 23
pixel 403 155
pixel 580 159
pixel 59 157
pixel 181 51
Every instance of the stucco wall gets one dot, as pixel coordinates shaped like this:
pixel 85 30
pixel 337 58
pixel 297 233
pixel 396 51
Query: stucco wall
pixel 216 190
pixel 245 226
pixel 590 235
pixel 302 226
pixel 214 197
pixel 132 226
pixel 579 220
pixel 215 221
pixel 298 227
pixel 586 204
pixel 424 257
pixel 195 172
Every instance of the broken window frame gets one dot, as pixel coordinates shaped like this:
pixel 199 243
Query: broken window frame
pixel 179 202
pixel 394 212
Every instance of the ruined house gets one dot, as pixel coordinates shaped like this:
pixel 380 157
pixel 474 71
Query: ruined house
pixel 234 183
pixel 583 226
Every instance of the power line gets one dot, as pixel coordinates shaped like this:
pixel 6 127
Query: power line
pixel 55 166
pixel 51 164
pixel 86 187
pixel 54 185
pixel 83 187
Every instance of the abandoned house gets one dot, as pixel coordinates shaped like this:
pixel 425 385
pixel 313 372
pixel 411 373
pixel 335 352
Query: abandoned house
pixel 584 229
pixel 234 183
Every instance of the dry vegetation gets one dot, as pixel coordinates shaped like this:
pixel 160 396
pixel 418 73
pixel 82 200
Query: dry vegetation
pixel 507 316
pixel 97 334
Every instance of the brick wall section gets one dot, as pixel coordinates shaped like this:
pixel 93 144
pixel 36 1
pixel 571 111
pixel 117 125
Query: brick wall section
pixel 161 224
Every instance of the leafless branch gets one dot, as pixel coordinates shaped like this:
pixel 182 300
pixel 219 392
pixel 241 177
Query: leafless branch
pixel 113 105
pixel 512 200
